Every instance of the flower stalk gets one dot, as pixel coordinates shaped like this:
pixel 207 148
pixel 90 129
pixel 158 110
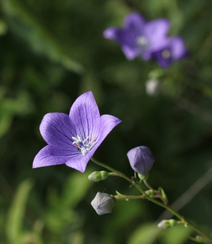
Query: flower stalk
pixel 143 195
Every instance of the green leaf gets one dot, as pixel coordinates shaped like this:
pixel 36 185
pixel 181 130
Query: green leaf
pixel 175 235
pixel 15 217
pixel 146 233
pixel 23 22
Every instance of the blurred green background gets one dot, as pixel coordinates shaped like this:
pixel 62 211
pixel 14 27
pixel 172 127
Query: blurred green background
pixel 51 51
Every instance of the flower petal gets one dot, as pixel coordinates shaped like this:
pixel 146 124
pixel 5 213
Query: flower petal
pixel 51 155
pixel 84 115
pixel 156 32
pixel 108 122
pixel 177 48
pixel 112 33
pixel 127 40
pixel 80 162
pixel 135 23
pixel 56 129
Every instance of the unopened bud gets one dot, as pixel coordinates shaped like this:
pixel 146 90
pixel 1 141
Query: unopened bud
pixel 153 87
pixel 141 159
pixel 150 193
pixel 167 223
pixel 102 203
pixel 98 175
pixel 200 239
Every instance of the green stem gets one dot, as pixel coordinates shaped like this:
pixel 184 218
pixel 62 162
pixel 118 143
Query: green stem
pixel 127 197
pixel 179 216
pixel 118 173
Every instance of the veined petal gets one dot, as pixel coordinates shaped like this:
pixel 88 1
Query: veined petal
pixel 84 115
pixel 79 163
pixel 51 155
pixel 108 122
pixel 57 129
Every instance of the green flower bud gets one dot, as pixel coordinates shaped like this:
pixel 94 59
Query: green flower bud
pixel 150 193
pixel 98 175
pixel 167 223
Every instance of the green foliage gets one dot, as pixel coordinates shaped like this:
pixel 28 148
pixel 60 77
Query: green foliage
pixel 176 235
pixel 14 224
pixel 145 233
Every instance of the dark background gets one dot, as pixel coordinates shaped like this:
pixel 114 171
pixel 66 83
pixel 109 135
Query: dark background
pixel 53 51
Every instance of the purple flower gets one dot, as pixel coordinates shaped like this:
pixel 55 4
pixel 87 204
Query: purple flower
pixel 72 139
pixel 103 203
pixel 141 159
pixel 174 50
pixel 138 37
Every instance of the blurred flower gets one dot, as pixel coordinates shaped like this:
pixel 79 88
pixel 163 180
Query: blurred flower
pixel 103 203
pixel 152 87
pixel 174 50
pixel 138 37
pixel 141 159
pixel 72 139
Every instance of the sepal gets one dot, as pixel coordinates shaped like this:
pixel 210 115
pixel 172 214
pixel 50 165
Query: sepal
pixel 163 194
pixel 143 177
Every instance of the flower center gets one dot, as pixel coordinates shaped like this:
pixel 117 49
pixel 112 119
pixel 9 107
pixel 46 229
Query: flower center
pixel 84 145
pixel 166 54
pixel 142 42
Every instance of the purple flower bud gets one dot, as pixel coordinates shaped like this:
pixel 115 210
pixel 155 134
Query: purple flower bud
pixel 141 159
pixel 102 203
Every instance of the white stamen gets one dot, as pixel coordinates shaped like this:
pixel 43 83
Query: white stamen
pixel 84 145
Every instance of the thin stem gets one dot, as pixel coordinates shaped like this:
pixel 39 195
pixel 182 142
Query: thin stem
pixel 170 209
pixel 127 197
pixel 118 173
pixel 147 185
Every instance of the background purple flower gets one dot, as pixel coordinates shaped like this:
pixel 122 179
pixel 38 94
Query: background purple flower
pixel 72 139
pixel 174 50
pixel 138 37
